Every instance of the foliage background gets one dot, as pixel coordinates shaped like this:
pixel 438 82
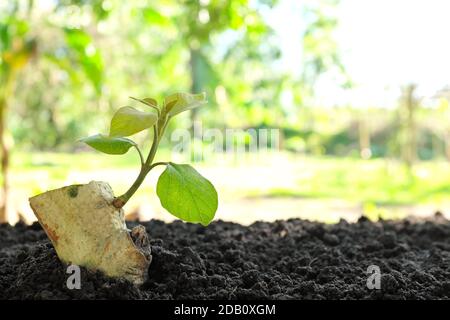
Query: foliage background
pixel 67 65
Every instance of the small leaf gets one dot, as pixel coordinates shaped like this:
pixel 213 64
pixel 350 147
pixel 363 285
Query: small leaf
pixel 180 102
pixel 186 194
pixel 109 145
pixel 147 101
pixel 150 101
pixel 128 121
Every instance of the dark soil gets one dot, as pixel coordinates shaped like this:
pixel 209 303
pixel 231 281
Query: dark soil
pixel 291 259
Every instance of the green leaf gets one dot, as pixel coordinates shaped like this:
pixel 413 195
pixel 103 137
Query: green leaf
pixel 186 194
pixel 109 145
pixel 128 121
pixel 179 102
pixel 150 101
pixel 147 101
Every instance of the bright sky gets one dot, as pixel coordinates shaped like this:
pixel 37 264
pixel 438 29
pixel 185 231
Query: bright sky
pixel 384 43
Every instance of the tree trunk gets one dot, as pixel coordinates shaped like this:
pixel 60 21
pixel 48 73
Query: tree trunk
pixel 447 145
pixel 411 128
pixel 196 87
pixel 4 160
pixel 196 81
pixel 364 139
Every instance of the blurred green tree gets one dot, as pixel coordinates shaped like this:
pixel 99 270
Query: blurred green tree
pixel 16 48
pixel 18 44
pixel 201 29
pixel 320 57
pixel 409 105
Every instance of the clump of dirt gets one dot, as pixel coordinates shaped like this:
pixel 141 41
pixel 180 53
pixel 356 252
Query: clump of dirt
pixel 291 259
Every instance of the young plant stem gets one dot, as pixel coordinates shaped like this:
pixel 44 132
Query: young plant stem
pixel 158 131
pixel 141 157
pixel 158 164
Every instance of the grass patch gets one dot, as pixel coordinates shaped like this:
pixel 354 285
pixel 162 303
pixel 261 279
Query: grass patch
pixel 369 181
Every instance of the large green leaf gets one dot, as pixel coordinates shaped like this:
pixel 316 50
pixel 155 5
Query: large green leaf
pixel 109 145
pixel 128 120
pixel 179 102
pixel 186 194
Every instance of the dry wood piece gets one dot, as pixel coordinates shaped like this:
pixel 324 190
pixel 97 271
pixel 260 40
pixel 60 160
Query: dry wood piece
pixel 87 230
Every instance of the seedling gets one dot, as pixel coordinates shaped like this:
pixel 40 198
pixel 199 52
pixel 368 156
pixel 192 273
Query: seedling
pixel 86 222
pixel 181 189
